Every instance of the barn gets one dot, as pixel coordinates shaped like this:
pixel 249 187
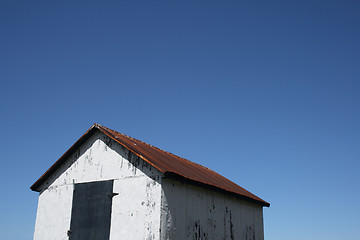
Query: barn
pixel 111 186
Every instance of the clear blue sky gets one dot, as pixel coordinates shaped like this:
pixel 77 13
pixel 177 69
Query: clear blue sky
pixel 264 92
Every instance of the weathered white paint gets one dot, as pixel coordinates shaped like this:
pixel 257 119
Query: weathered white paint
pixel 194 213
pixel 148 206
pixel 135 211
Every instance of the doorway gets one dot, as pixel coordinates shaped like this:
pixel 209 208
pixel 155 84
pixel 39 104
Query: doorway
pixel 91 211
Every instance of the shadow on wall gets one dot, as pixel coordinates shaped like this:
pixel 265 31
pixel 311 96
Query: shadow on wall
pixel 195 213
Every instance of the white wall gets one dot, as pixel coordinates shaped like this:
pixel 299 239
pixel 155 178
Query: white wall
pixel 135 211
pixel 191 212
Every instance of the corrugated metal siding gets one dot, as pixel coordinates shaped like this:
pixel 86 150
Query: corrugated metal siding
pixel 165 162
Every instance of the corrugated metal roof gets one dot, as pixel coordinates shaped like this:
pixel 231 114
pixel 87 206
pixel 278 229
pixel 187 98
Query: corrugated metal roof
pixel 167 163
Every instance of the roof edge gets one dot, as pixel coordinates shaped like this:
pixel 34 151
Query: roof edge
pixel 128 147
pixel 60 161
pixel 77 144
pixel 97 127
pixel 176 176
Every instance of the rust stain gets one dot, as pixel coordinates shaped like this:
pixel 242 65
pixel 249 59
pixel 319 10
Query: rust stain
pixel 168 162
pixel 164 161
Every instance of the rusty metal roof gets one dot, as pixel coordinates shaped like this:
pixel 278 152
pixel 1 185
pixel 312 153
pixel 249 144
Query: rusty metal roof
pixel 167 163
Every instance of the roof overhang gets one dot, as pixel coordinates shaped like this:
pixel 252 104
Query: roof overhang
pixel 208 178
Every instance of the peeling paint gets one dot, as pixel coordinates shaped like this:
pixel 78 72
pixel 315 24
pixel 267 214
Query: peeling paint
pixel 101 158
pixel 148 206
pixel 195 213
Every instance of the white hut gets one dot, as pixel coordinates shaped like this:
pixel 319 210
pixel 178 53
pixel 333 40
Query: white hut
pixel 111 186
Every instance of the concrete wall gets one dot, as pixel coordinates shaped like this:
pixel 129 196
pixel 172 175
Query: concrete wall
pixel 135 211
pixel 194 213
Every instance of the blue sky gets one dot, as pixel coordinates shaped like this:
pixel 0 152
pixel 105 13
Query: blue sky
pixel 264 92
